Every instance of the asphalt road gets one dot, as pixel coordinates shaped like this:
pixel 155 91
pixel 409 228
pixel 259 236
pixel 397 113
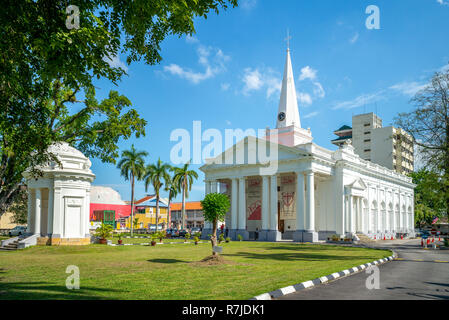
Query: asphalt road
pixel 416 274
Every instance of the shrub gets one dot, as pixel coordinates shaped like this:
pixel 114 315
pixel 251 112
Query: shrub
pixel 196 239
pixel 104 231
pixel 239 236
pixel 335 237
pixel 228 239
pixel 221 238
pixel 187 236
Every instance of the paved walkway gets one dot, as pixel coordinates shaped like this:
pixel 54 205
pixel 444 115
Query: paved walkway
pixel 416 274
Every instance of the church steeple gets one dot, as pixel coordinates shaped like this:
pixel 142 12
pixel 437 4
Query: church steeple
pixel 288 113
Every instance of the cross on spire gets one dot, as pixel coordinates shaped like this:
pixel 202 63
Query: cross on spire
pixel 288 39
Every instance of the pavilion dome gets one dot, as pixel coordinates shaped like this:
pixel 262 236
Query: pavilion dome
pixel 69 157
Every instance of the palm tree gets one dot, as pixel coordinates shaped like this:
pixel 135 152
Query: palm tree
pixel 156 175
pixel 173 189
pixel 132 167
pixel 184 178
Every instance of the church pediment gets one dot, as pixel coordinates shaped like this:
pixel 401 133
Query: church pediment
pixel 253 151
pixel 358 184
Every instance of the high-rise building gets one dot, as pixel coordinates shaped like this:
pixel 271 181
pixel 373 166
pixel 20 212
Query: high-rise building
pixel 388 146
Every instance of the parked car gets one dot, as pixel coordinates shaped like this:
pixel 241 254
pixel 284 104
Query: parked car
pixel 17 231
pixel 182 233
pixel 195 230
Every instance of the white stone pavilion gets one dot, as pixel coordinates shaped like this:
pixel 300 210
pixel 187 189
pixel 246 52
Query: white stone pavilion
pixel 314 192
pixel 58 202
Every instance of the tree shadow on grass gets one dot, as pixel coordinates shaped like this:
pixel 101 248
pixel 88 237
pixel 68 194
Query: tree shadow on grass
pixel 45 291
pixel 296 256
pixel 167 261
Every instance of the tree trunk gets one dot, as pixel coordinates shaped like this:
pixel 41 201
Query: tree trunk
pixel 169 212
pixel 157 210
pixel 213 238
pixel 183 211
pixel 132 204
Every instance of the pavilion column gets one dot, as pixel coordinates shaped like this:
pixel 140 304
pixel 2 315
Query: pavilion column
pixel 57 213
pixel 273 203
pixel 214 186
pixel 37 211
pixel 339 201
pixel 234 203
pixel 30 210
pixel 300 207
pixel 50 211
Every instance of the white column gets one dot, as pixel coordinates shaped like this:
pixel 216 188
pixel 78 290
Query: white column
pixel 300 202
pixel 242 205
pixel 30 211
pixel 401 218
pixel 234 203
pixel 310 202
pixel 362 215
pixel 350 214
pixel 339 201
pixel 274 203
pixel 50 210
pixel 208 187
pixel 214 186
pixel 58 211
pixel 265 203
pixel 412 214
pixel 406 224
pixel 37 212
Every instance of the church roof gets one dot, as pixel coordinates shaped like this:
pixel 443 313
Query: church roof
pixel 288 113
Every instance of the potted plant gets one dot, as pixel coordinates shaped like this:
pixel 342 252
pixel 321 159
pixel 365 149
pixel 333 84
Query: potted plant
pixel 196 240
pixel 103 232
pixel 154 237
pixel 161 235
pixel 187 237
pixel 228 240
pixel 120 241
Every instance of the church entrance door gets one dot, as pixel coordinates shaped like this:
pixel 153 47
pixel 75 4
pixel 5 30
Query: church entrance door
pixel 280 222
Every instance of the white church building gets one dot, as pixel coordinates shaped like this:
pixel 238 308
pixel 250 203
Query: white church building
pixel 305 192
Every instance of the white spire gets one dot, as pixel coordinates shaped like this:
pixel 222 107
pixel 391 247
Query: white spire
pixel 288 113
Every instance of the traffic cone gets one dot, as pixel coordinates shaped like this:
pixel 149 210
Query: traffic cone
pixel 428 241
pixel 433 240
pixel 384 238
pixel 402 237
pixel 422 243
pixel 391 237
pixel 439 238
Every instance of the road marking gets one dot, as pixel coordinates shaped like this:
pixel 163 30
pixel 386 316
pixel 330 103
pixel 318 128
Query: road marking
pixel 418 260
pixel 441 261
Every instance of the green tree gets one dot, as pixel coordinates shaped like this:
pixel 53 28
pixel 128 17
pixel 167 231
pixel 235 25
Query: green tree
pixel 215 206
pixel 184 177
pixel 156 175
pixel 132 167
pixel 428 124
pixel 19 208
pixel 136 223
pixel 429 200
pixel 47 90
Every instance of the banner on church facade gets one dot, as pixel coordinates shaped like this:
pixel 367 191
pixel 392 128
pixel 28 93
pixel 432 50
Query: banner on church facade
pixel 254 198
pixel 287 198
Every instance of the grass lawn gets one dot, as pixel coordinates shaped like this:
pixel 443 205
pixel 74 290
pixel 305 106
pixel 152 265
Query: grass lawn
pixel 169 271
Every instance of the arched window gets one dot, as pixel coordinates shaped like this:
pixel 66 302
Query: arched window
pixel 383 214
pixel 390 217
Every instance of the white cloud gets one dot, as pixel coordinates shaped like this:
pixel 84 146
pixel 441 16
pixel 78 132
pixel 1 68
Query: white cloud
pixel 255 79
pixel 442 2
pixel 248 4
pixel 359 101
pixel 310 115
pixel 191 39
pixel 318 90
pixel 307 73
pixel 228 122
pixel 408 88
pixel 115 62
pixel 225 86
pixel 304 98
pixel 354 38
pixel 213 64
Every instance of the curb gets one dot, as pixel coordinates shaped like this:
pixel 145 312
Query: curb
pixel 315 282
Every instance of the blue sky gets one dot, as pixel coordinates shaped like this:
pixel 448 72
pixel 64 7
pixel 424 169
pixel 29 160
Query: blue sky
pixel 228 74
